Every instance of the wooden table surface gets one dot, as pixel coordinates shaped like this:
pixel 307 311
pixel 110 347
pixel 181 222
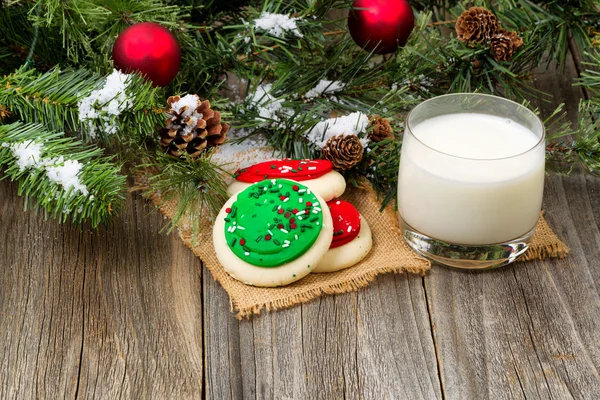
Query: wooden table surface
pixel 128 312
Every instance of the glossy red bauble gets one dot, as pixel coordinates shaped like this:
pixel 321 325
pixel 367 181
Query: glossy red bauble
pixel 150 49
pixel 380 25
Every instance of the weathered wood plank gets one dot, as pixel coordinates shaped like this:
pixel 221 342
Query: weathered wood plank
pixel 125 312
pixel 41 303
pixel 395 349
pixel 372 344
pixel 528 330
pixel 143 318
pixel 115 313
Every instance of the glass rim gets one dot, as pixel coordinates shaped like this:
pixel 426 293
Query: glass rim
pixel 467 94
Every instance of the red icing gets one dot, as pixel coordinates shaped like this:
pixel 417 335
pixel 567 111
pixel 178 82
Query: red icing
pixel 299 170
pixel 344 216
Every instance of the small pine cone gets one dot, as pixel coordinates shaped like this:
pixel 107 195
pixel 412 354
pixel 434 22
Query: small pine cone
pixel 504 45
pixel 191 126
pixel 381 129
pixel 476 25
pixel 344 151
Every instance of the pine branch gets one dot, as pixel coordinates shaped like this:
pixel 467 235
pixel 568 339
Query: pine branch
pixel 380 167
pixel 19 34
pixel 52 98
pixel 590 78
pixel 46 178
pixel 197 185
pixel 84 26
pixel 584 147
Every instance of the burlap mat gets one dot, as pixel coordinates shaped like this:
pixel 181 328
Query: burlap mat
pixel 389 254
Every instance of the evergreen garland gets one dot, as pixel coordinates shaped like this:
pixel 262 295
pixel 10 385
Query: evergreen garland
pixel 99 199
pixel 54 54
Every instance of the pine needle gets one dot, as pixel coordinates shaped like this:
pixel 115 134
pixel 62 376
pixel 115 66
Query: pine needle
pixel 99 174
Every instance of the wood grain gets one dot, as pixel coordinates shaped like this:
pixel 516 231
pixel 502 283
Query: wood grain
pixel 128 312
pixel 115 313
pixel 372 344
pixel 528 330
pixel 41 303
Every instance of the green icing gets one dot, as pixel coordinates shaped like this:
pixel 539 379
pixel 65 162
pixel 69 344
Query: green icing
pixel 262 235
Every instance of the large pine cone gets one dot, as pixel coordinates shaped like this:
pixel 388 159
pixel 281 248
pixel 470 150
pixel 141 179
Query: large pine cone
pixel 344 151
pixel 381 129
pixel 504 45
pixel 191 126
pixel 476 25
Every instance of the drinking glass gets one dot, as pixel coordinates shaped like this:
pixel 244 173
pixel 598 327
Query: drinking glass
pixel 471 180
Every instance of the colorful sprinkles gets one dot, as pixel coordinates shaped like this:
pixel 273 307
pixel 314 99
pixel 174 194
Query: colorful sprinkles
pixel 298 170
pixel 262 228
pixel 346 222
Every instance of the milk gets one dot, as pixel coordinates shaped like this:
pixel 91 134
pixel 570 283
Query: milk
pixel 471 178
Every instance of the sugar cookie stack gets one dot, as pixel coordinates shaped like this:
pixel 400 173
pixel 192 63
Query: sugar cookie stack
pixel 283 221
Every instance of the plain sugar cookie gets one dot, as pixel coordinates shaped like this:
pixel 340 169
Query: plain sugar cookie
pixel 272 233
pixel 317 175
pixel 352 238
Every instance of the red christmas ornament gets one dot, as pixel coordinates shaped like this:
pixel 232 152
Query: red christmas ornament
pixel 150 49
pixel 380 25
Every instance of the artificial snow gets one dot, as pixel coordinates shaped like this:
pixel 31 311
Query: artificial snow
pixel 265 103
pixel 252 150
pixel 27 153
pixel 106 104
pixel 192 102
pixel 277 24
pixel 324 87
pixel 351 124
pixel 65 173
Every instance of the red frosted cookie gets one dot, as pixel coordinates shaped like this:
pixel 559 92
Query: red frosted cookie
pixel 317 175
pixel 352 238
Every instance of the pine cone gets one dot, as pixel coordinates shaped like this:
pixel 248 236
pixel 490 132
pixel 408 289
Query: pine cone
pixel 191 126
pixel 476 25
pixel 504 45
pixel 344 151
pixel 381 129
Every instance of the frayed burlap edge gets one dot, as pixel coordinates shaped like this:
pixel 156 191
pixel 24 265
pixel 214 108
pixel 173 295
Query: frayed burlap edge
pixel 544 244
pixel 248 300
pixel 352 285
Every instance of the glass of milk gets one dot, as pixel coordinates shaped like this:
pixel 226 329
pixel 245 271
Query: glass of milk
pixel 471 179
